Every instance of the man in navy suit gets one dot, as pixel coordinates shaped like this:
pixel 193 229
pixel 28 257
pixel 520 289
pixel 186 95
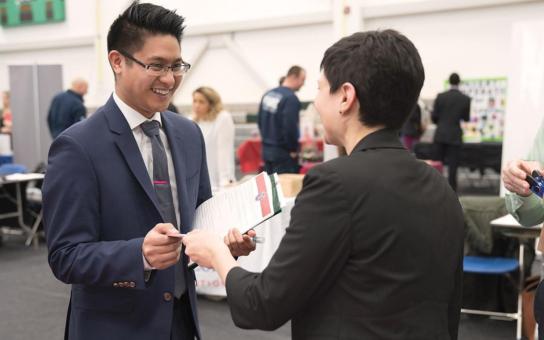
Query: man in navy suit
pixel 107 215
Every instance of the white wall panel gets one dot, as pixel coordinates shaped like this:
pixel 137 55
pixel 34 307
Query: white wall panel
pixel 269 53
pixel 212 12
pixel 75 62
pixel 473 42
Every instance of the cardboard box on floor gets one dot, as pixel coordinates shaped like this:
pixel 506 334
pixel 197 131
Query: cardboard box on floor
pixel 291 184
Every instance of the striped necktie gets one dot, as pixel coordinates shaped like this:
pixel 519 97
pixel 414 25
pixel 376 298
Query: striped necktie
pixel 161 183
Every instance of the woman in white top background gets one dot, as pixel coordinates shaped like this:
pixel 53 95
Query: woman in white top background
pixel 218 130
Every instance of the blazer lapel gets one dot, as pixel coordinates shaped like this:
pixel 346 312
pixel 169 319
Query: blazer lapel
pixel 124 140
pixel 177 151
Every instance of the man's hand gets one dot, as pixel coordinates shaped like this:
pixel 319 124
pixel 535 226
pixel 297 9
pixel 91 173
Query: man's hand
pixel 240 245
pixel 159 250
pixel 514 175
pixel 203 247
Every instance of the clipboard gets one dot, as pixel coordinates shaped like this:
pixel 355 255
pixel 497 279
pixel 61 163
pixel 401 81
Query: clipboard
pixel 244 206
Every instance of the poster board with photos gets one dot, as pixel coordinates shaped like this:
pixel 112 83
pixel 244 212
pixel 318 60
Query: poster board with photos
pixel 487 109
pixel 28 12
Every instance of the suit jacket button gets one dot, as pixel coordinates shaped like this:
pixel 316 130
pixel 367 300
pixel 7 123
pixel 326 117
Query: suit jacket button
pixel 125 284
pixel 132 284
pixel 167 296
pixel 115 284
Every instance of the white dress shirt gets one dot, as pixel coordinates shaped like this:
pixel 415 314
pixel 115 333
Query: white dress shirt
pixel 134 120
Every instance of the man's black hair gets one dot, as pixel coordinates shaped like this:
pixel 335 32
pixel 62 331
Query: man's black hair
pixel 129 30
pixel 455 79
pixel 386 70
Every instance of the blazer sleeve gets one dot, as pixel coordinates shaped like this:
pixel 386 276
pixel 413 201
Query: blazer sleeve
pixel 435 115
pixel 78 113
pixel 77 255
pixel 317 239
pixel 466 113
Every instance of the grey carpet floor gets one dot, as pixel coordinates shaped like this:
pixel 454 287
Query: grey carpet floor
pixel 33 305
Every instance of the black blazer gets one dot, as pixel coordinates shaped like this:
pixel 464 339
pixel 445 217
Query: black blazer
pixel 374 250
pixel 450 108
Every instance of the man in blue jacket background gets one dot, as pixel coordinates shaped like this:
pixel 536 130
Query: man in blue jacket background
pixel 67 108
pixel 278 122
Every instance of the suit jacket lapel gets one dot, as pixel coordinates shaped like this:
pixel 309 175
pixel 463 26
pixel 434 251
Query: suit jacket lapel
pixel 175 140
pixel 124 139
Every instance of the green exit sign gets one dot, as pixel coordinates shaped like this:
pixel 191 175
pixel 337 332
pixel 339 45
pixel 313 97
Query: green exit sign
pixel 29 12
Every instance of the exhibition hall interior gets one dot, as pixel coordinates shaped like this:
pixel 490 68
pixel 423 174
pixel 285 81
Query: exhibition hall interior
pixel 120 119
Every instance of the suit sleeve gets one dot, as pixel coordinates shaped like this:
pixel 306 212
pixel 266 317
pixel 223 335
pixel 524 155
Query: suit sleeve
pixel 466 114
pixel 79 113
pixel 317 240
pixel 435 115
pixel 291 116
pixel 77 255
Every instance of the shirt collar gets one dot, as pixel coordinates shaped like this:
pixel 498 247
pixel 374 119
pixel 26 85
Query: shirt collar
pixel 133 117
pixel 380 139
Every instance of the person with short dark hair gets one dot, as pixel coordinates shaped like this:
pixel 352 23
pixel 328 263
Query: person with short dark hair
pixel 450 108
pixel 67 108
pixel 278 120
pixel 374 247
pixel 119 183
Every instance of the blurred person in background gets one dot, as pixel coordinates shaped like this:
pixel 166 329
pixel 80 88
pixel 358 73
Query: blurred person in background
pixel 412 129
pixel 278 120
pixel 449 109
pixel 218 130
pixel 526 207
pixel 67 108
pixel 6 116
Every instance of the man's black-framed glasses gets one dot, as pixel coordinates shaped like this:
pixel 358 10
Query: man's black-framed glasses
pixel 156 69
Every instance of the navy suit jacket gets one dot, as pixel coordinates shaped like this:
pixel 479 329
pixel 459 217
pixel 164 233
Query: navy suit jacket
pixel 98 204
pixel 66 109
